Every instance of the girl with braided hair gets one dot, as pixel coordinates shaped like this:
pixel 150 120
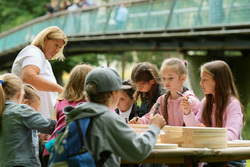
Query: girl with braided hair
pixel 173 74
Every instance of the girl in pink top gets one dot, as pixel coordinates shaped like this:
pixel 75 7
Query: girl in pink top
pixel 71 95
pixel 221 106
pixel 174 74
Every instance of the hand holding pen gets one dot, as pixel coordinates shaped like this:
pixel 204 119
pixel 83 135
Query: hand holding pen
pixel 185 104
pixel 157 119
pixel 156 108
pixel 135 120
pixel 180 94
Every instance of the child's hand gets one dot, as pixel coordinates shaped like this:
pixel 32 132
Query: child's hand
pixel 185 106
pixel 200 125
pixel 52 118
pixel 157 120
pixel 135 120
pixel 42 136
pixel 46 137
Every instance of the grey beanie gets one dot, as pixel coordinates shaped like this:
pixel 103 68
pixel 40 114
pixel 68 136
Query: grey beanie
pixel 105 78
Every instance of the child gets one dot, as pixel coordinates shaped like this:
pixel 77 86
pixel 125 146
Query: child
pixel 32 99
pixel 221 106
pixel 108 131
pixel 147 80
pixel 17 120
pixel 71 95
pixel 126 107
pixel 174 74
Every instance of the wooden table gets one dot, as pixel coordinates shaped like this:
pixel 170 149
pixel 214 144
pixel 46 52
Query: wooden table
pixel 195 155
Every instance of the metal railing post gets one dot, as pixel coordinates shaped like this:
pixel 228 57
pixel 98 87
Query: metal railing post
pixel 229 12
pixel 198 14
pixel 148 14
pixel 107 21
pixel 170 14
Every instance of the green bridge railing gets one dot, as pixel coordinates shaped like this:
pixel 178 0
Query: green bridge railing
pixel 142 16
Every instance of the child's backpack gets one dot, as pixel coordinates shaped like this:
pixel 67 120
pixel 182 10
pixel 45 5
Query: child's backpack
pixel 69 147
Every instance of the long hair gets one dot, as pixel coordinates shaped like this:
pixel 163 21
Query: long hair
pixel 10 85
pixel 52 32
pixel 181 69
pixel 144 72
pixel 74 88
pixel 224 89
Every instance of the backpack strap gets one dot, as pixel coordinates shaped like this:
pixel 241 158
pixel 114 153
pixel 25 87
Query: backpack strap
pixel 83 149
pixel 104 155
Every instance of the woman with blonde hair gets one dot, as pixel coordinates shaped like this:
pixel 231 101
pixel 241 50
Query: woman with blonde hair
pixel 32 66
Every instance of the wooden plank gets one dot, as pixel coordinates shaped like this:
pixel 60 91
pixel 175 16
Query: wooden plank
pixel 238 143
pixel 166 146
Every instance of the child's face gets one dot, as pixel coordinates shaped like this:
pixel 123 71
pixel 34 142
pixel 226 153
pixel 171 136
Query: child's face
pixel 171 79
pixel 144 86
pixel 124 102
pixel 207 83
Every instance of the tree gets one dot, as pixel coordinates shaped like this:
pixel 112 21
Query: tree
pixel 65 66
pixel 14 13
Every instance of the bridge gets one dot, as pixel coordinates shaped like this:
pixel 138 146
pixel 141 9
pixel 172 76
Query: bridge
pixel 148 25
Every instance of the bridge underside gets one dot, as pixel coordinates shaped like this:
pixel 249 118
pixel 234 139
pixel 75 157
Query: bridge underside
pixel 153 42
pixel 228 40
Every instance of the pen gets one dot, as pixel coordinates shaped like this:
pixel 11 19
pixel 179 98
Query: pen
pixel 137 118
pixel 180 94
pixel 157 107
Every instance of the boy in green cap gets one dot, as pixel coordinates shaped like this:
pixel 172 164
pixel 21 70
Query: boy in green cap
pixel 107 131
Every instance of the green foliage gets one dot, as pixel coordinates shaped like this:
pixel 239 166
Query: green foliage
pixel 111 57
pixel 155 58
pixel 14 13
pixel 245 130
pixel 70 62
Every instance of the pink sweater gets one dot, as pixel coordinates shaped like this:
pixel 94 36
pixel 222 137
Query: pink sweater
pixel 60 117
pixel 175 114
pixel 232 119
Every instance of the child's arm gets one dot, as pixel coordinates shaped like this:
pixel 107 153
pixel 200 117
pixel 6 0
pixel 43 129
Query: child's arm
pixel 127 143
pixel 233 120
pixel 145 118
pixel 195 105
pixel 189 117
pixel 34 120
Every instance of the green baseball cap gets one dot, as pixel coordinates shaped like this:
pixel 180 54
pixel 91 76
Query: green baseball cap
pixel 105 78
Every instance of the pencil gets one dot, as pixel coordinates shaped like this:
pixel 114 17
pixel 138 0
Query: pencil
pixel 157 107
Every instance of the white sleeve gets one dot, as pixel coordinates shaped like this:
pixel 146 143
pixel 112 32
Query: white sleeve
pixel 33 56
